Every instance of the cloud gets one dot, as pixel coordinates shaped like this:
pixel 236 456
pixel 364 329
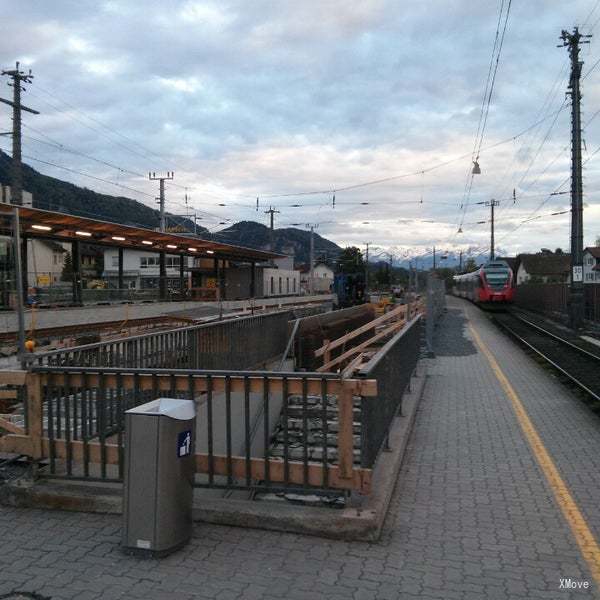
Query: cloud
pixel 254 99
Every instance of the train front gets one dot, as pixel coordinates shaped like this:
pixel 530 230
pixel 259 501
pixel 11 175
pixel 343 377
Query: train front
pixel 497 283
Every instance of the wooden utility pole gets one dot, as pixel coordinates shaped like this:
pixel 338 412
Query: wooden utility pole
pixel 572 42
pixel 18 79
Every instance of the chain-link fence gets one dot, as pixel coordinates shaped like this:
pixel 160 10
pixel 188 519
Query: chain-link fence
pixel 436 305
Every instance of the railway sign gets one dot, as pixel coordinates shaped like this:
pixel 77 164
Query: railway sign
pixel 578 273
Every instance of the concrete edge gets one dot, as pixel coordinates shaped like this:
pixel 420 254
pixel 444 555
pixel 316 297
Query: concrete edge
pixel 363 523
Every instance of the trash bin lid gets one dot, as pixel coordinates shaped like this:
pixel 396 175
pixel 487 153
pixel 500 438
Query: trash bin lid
pixel 168 407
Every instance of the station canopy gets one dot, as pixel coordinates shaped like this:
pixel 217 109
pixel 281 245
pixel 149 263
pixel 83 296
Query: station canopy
pixel 37 223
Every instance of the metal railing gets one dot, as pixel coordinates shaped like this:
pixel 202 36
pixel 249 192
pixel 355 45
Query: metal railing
pixel 75 419
pixel 241 343
pixel 392 367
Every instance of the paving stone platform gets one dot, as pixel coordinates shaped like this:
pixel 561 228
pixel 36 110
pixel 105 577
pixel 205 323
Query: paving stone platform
pixel 472 515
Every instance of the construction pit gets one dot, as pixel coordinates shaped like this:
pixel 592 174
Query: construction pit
pixel 302 419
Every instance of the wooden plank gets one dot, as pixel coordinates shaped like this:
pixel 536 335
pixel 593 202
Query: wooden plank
pixel 8 394
pixel 146 382
pixel 13 377
pixel 359 479
pixel 336 361
pixel 345 437
pixel 95 451
pixel 35 413
pixel 16 444
pixel 353 366
pixel 328 346
pixel 8 426
pixel 327 352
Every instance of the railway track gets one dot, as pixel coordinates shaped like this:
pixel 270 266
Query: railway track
pixel 580 365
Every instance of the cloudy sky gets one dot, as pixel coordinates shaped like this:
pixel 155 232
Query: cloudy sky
pixel 271 99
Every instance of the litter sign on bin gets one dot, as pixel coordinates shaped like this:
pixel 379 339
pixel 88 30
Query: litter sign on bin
pixel 184 443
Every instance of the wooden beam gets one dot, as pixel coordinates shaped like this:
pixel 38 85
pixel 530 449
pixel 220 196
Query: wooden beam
pixel 328 346
pixel 8 426
pixel 35 413
pixel 8 394
pixel 360 347
pixel 354 364
pixel 359 479
pixel 345 437
pixel 182 383
pixel 16 444
pixel 13 377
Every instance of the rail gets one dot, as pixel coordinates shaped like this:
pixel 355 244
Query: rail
pixel 579 365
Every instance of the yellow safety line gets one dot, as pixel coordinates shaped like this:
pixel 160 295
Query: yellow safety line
pixel 584 537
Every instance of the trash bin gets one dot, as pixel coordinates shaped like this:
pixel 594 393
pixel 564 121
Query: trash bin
pixel 159 476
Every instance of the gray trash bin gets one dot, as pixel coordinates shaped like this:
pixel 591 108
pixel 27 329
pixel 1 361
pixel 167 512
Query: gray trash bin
pixel 159 476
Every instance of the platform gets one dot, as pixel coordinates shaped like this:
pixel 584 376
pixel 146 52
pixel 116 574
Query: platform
pixel 478 506
pixel 475 513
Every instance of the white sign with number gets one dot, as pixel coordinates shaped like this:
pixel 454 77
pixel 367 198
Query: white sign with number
pixel 578 273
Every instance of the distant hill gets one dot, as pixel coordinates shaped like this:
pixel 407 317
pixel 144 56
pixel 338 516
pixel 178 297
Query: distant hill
pixel 50 193
pixel 289 240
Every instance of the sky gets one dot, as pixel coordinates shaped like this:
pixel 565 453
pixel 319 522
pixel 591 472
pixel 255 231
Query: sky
pixel 278 99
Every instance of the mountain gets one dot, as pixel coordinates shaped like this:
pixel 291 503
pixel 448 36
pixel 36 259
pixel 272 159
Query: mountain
pixel 50 193
pixel 448 259
pixel 289 240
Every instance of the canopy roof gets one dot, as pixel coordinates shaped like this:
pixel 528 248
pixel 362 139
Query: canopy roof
pixel 65 227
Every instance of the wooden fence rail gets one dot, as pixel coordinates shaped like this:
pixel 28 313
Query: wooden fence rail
pixel 74 419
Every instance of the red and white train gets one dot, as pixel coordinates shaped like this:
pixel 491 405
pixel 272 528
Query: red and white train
pixel 492 283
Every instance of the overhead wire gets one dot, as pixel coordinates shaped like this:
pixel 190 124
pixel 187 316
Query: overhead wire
pixel 466 200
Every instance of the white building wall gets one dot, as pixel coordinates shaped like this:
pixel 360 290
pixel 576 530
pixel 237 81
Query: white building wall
pixel 44 262
pixel 281 282
pixel 321 271
pixel 132 264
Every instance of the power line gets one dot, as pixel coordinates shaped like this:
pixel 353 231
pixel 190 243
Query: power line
pixel 103 125
pixel 60 146
pixel 489 91
pixel 75 171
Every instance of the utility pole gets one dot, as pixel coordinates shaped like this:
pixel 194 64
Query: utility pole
pixel 162 264
pixel 367 267
pixel 416 275
pixel 492 204
pixel 18 79
pixel 272 211
pixel 161 197
pixel 572 42
pixel 460 262
pixel 311 284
